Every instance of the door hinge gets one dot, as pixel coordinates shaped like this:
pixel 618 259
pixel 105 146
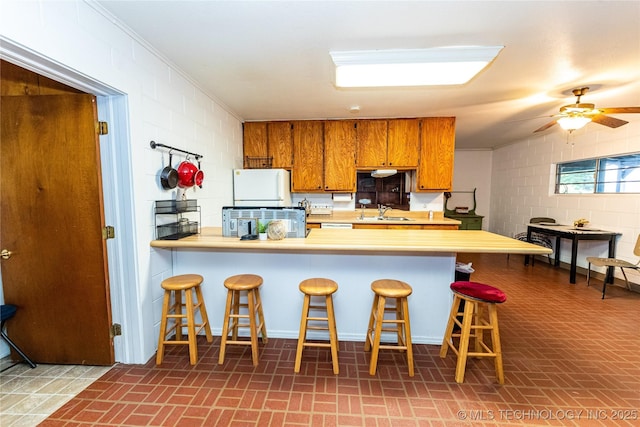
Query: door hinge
pixel 115 330
pixel 103 128
pixel 108 232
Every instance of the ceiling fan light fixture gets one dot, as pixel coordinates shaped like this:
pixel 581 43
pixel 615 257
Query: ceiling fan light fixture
pixel 572 123
pixel 411 67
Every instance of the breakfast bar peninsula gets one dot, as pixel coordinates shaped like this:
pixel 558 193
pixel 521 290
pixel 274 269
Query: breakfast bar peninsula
pixel 354 258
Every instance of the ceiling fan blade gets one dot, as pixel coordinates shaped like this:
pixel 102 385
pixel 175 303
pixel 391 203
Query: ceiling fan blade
pixel 620 110
pixel 545 127
pixel 611 122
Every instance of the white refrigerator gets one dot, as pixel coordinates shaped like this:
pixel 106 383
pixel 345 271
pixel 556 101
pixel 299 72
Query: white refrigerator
pixel 261 187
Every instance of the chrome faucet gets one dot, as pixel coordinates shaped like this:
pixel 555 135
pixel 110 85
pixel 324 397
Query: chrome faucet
pixel 382 209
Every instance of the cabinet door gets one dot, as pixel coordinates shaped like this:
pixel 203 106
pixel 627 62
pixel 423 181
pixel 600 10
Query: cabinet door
pixel 371 143
pixel 254 140
pixel 307 172
pixel 279 145
pixel 403 143
pixel 339 155
pixel 435 172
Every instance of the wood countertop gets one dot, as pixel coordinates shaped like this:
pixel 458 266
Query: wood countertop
pixel 352 217
pixel 356 241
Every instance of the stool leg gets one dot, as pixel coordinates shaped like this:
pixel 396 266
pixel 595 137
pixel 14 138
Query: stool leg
pixel 252 326
pixel 302 337
pixel 191 327
pixel 263 326
pixel 177 309
pixel 463 349
pixel 203 314
pixel 163 327
pixel 450 324
pixel 225 327
pixel 235 310
pixel 399 326
pixel 333 334
pixel 376 337
pixel 479 331
pixel 495 338
pixel 407 334
pixel 368 340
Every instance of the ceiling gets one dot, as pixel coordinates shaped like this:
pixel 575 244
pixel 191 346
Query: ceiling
pixel 269 60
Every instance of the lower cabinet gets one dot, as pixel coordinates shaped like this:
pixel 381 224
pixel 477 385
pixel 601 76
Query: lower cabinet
pixel 407 227
pixel 469 222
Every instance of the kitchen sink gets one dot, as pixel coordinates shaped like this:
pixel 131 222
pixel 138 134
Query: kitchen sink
pixel 386 218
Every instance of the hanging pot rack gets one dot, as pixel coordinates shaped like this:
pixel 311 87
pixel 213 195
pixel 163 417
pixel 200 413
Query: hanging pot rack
pixel 155 145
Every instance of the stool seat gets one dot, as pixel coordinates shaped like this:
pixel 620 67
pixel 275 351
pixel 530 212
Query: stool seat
pixel 318 287
pixel 243 282
pixel 474 297
pixel 182 282
pixel 398 290
pixel 175 286
pixel 249 283
pixel 390 288
pixel 479 291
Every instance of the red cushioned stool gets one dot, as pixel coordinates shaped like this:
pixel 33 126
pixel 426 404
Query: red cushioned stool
pixel 475 296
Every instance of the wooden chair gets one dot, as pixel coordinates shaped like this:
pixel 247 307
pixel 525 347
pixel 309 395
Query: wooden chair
pixel 236 285
pixel 318 287
pixel 614 262
pixel 399 291
pixel 175 286
pixel 475 296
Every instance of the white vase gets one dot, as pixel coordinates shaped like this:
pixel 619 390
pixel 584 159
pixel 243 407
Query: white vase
pixel 262 236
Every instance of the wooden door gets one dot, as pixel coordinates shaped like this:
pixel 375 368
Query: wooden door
pixel 51 219
pixel 254 141
pixel 307 174
pixel 371 143
pixel 279 144
pixel 403 143
pixel 435 172
pixel 339 155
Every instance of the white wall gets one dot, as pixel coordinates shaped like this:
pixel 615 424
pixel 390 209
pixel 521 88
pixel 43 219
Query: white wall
pixel 472 169
pixel 523 179
pixel 162 105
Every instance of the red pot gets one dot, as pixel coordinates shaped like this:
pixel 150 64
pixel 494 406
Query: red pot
pixel 186 174
pixel 198 177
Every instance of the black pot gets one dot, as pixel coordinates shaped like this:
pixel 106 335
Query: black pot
pixel 169 176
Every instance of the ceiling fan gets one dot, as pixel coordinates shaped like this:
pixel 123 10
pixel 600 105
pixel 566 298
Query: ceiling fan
pixel 575 116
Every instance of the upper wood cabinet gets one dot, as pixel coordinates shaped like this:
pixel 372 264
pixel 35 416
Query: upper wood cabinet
pixel 435 171
pixel 280 144
pixel 339 155
pixel 307 174
pixel 269 139
pixel 403 145
pixel 388 143
pixel 254 136
pixel 371 143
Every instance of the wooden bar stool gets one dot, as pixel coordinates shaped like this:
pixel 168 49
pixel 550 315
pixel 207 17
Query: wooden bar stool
pixel 249 283
pixel 476 296
pixel 189 283
pixel 383 289
pixel 321 288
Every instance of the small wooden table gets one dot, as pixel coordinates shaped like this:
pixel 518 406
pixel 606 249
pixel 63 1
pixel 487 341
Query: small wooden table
pixel 574 234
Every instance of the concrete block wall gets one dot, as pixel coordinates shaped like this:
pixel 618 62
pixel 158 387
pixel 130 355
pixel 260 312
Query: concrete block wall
pixel 160 103
pixel 522 187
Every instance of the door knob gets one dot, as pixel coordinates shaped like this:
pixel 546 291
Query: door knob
pixel 5 254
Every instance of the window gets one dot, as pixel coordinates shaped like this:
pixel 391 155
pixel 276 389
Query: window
pixel 616 174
